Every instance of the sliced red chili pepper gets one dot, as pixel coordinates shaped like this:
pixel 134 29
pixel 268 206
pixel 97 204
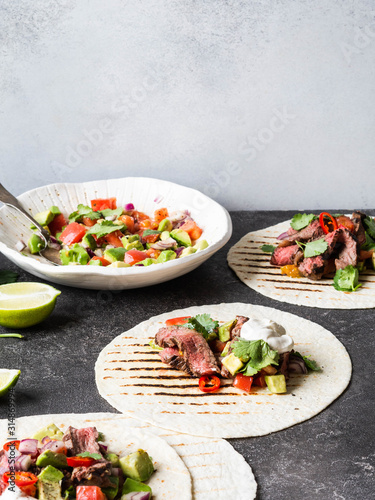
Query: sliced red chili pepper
pixel 177 321
pixel 20 478
pixel 9 444
pixel 209 383
pixel 80 461
pixel 329 226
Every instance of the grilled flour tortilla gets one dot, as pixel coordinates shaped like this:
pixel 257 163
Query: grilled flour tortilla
pixel 203 457
pixel 171 478
pixel 132 378
pixel 253 267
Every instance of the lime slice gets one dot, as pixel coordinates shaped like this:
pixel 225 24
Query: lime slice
pixel 26 304
pixel 8 378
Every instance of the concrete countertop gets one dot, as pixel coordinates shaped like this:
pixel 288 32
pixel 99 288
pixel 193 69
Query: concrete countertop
pixel 330 456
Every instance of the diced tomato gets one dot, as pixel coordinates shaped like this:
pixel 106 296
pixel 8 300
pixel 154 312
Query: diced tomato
pixel 21 478
pixel 259 381
pixel 194 231
pixel 145 224
pixel 209 384
pixel 134 256
pixel 89 493
pixel 88 222
pixel 73 233
pixel 114 238
pixel 80 461
pixel 9 444
pixel 345 222
pixel 150 238
pixel 29 490
pixel 104 261
pixel 243 382
pixel 160 214
pixel 103 204
pixel 57 224
pixel 153 253
pixel 139 216
pixel 177 321
pixel 128 221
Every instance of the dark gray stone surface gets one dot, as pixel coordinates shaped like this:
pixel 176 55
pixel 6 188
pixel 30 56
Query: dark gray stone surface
pixel 331 456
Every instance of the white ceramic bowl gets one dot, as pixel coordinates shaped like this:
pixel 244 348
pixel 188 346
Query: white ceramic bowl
pixel 209 215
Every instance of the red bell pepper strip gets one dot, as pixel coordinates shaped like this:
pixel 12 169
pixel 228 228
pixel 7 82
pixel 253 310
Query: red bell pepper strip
pixel 21 478
pixel 177 321
pixel 331 225
pixel 10 444
pixel 209 383
pixel 73 233
pixel 243 382
pixel 80 461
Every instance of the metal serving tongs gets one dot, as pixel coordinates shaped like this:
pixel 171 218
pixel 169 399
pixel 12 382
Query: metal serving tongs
pixel 50 254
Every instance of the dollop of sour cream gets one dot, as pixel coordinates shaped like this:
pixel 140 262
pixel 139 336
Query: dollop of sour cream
pixel 269 331
pixel 14 493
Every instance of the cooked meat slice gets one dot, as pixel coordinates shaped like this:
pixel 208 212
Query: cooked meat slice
pixel 284 364
pixel 312 232
pixel 225 373
pixel 284 256
pixel 315 267
pixel 198 357
pixel 94 475
pixel 80 440
pixel 348 253
pixel 359 230
pixel 236 330
pixel 171 356
pixel 298 257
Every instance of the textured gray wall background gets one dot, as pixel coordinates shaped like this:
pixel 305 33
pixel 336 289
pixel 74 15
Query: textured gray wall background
pixel 261 105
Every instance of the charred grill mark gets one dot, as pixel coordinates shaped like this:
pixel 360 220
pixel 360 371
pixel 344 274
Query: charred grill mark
pixel 152 360
pixel 162 377
pixel 163 386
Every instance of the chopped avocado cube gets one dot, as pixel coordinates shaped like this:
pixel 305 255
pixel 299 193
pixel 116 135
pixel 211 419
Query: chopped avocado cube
pixel 55 210
pixel 50 474
pixel 373 260
pixel 35 244
pixel 200 245
pixel 137 245
pixel 130 238
pixel 187 251
pixel 225 329
pixel 44 218
pixel 165 225
pixel 181 237
pixel 131 486
pixel 147 262
pixel 75 255
pixel 49 457
pixel 166 255
pixel 119 264
pixel 111 491
pixel 88 241
pixel 137 466
pixel 276 383
pixel 114 254
pixel 114 459
pixel 232 363
pixel 95 262
pixel 165 235
pixel 225 350
pixel 48 490
pixel 51 431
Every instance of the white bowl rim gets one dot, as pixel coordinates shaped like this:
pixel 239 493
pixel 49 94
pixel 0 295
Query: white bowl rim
pixel 122 271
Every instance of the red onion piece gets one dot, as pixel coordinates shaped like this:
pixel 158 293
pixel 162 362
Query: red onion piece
pixel 158 199
pixel 98 252
pixel 2 470
pixel 137 495
pixel 28 447
pixel 55 446
pixel 283 236
pixel 164 244
pixel 179 250
pixel 23 462
pixel 129 206
pixel 90 252
pixel 20 245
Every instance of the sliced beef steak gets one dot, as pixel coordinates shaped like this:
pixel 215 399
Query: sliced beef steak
pixel 197 355
pixel 80 440
pixel 283 256
pixel 315 267
pixel 312 232
pixel 236 330
pixel 348 252
pixel 172 357
pixel 94 475
pixel 359 230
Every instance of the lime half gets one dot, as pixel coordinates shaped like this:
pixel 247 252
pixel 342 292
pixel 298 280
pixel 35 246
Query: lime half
pixel 8 378
pixel 26 304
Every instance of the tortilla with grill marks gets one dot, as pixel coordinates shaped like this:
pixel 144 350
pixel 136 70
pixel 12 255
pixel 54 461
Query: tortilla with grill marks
pixel 131 377
pixel 253 267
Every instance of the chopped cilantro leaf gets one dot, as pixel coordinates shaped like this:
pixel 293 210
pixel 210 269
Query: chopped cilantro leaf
pixel 107 212
pixel 370 243
pixel 346 280
pixel 8 277
pixel 204 324
pixel 313 248
pixel 96 456
pixel 369 224
pixel 83 211
pixel 104 228
pixel 299 221
pixel 257 354
pixel 268 248
pixel 310 363
pixel 147 232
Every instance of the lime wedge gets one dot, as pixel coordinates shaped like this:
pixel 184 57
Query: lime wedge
pixel 26 304
pixel 8 378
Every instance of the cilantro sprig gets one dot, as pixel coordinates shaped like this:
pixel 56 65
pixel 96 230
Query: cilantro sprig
pixel 107 212
pixel 204 324
pixel 310 363
pixel 346 280
pixel 268 248
pixel 96 456
pixel 369 224
pixel 256 354
pixel 299 221
pixel 105 227
pixel 83 211
pixel 313 248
